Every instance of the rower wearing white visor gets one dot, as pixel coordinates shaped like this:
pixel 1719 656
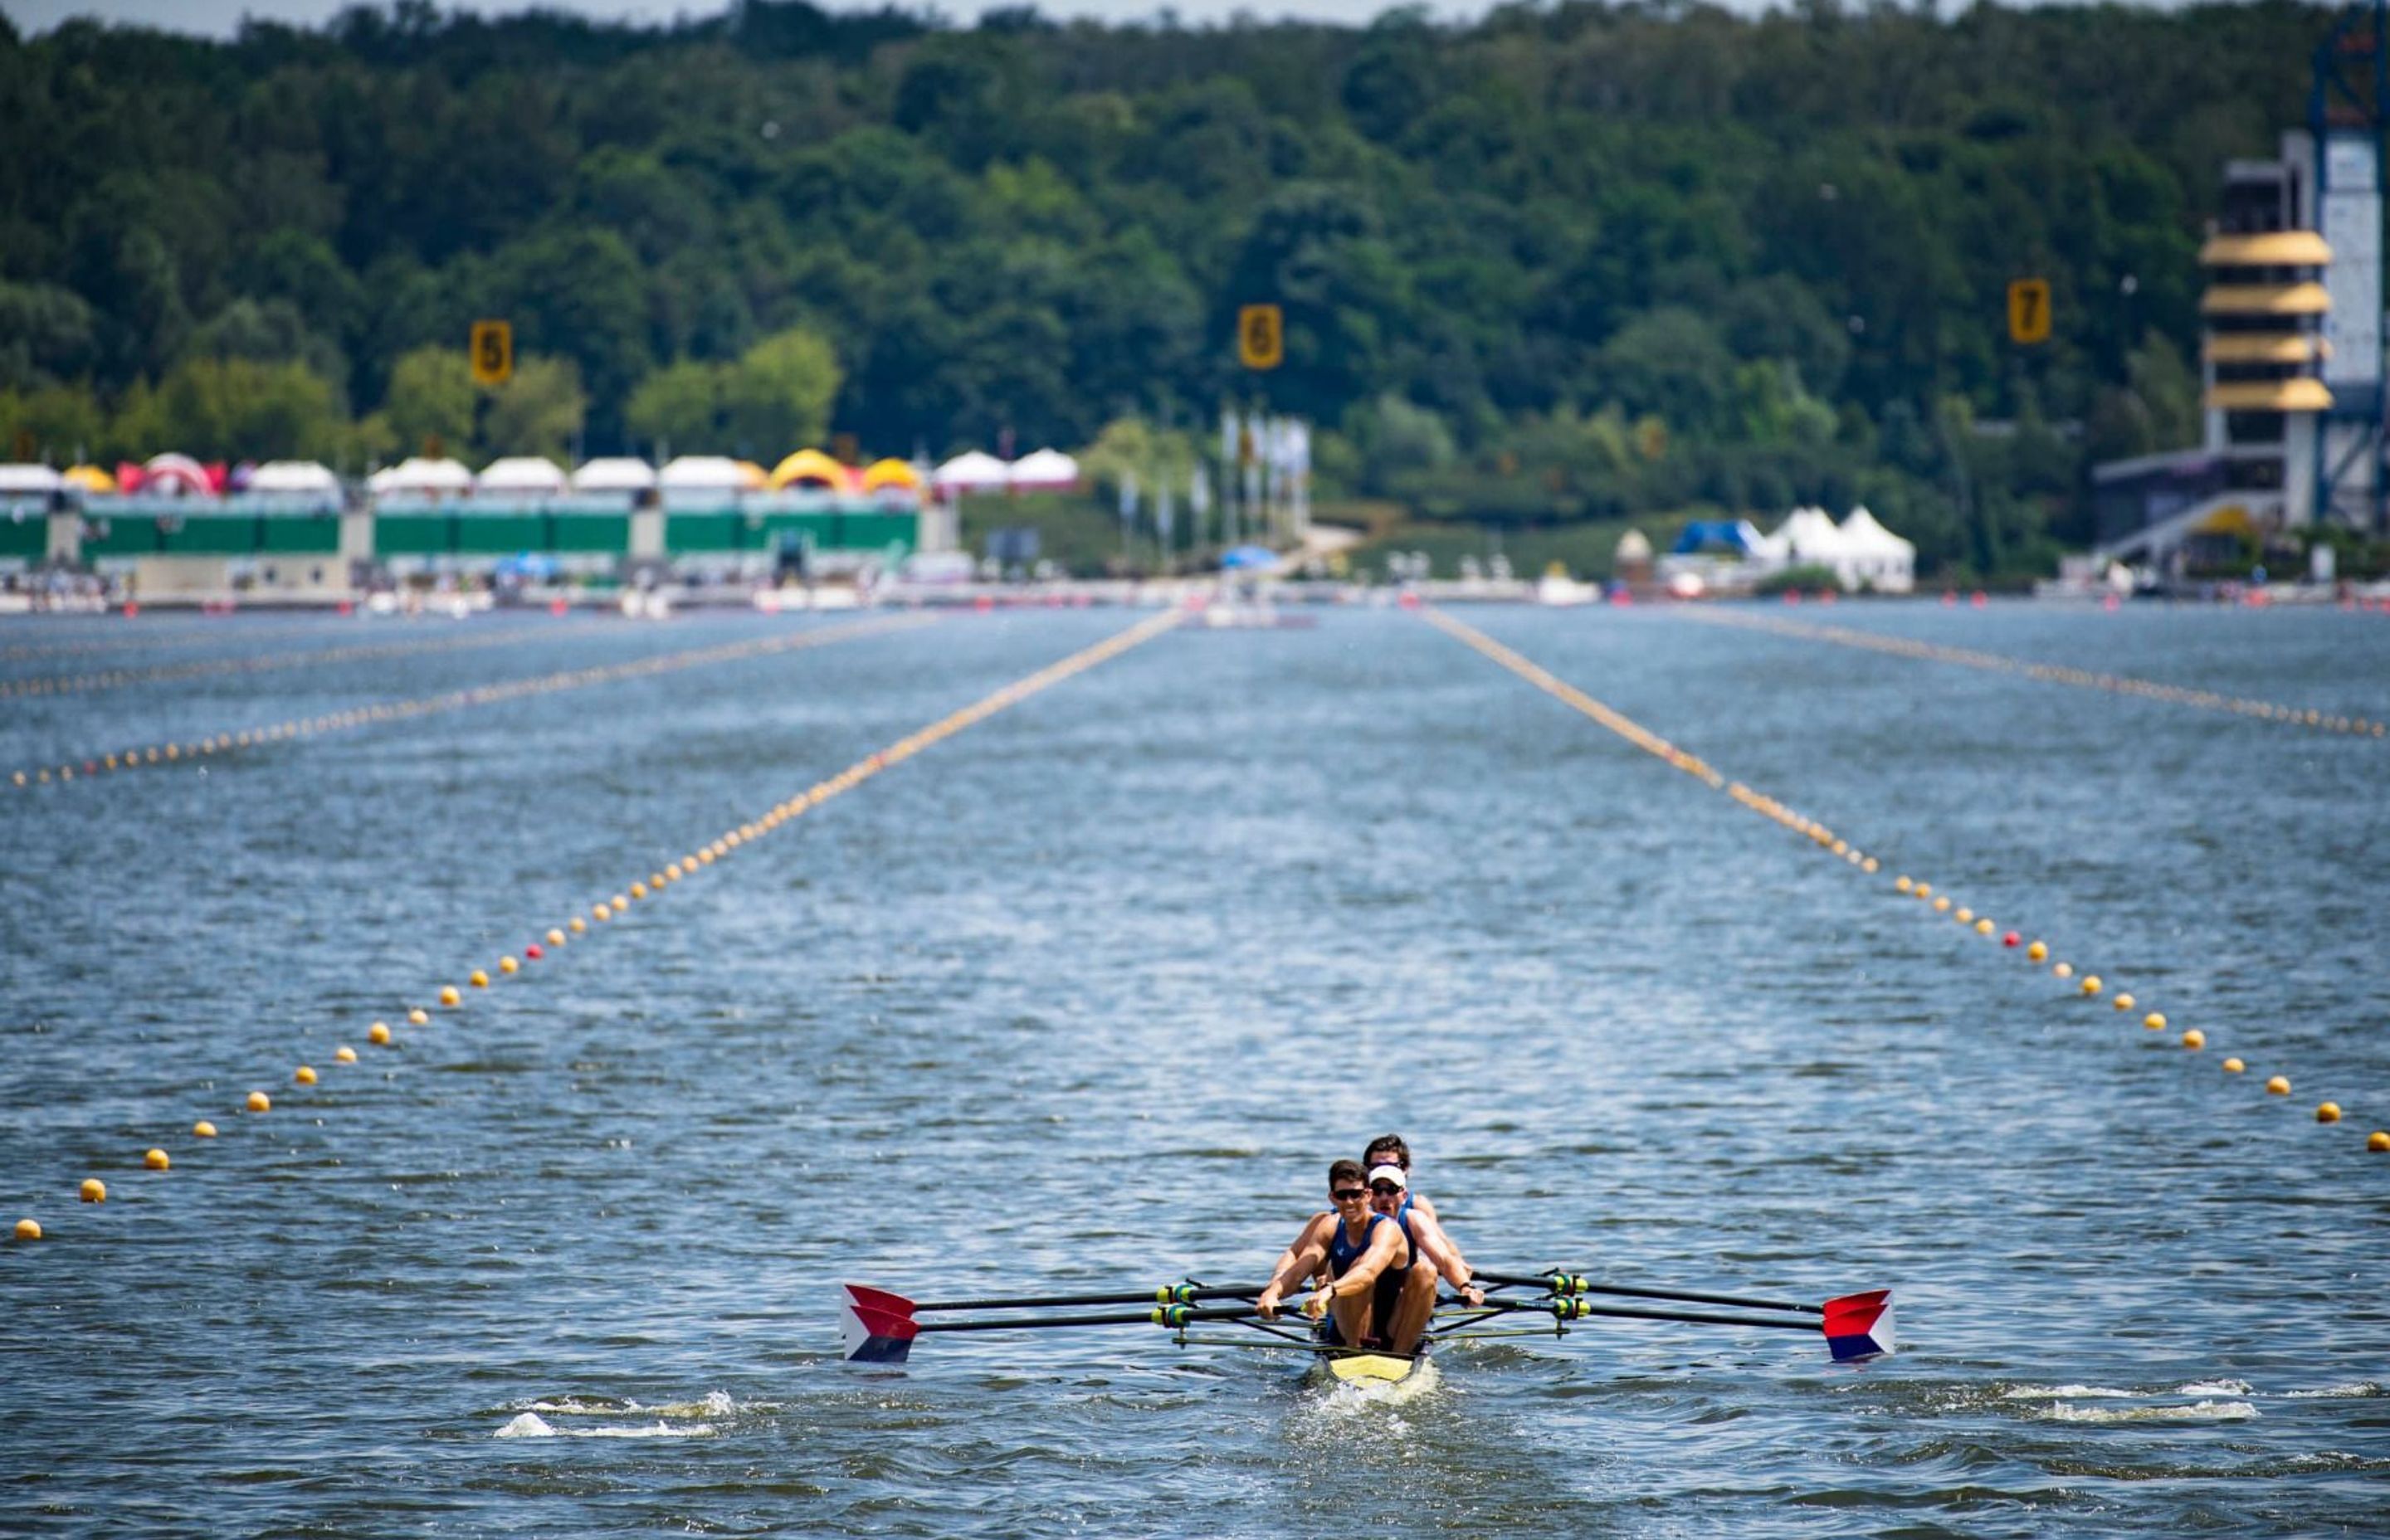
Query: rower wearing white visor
pixel 1388 1160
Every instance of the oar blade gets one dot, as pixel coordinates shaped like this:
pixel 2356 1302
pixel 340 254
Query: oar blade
pixel 878 1298
pixel 1860 1326
pixel 871 1335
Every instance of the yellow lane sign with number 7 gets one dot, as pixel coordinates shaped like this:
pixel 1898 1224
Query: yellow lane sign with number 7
pixel 2029 311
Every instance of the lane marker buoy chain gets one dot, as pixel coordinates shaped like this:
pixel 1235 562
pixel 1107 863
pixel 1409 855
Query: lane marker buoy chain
pixel 729 843
pixel 485 695
pixel 2055 674
pixel 107 679
pixel 2090 987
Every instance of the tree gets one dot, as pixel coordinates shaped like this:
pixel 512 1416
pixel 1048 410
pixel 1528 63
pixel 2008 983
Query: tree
pixel 680 406
pixel 538 412
pixel 232 409
pixel 430 398
pixel 776 397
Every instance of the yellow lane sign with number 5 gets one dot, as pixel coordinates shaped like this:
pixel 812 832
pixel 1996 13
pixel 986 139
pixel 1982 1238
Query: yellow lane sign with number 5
pixel 493 352
pixel 1261 337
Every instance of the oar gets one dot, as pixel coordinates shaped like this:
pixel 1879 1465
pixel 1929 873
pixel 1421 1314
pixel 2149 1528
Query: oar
pixel 1855 1326
pixel 1167 1293
pixel 1577 1283
pixel 874 1334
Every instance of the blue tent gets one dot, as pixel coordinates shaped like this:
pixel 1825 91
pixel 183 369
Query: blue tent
pixel 1716 535
pixel 1259 558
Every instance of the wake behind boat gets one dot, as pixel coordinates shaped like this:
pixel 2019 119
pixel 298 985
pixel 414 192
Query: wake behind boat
pixel 879 1326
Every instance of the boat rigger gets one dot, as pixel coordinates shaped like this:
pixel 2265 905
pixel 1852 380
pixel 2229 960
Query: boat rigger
pixel 880 1327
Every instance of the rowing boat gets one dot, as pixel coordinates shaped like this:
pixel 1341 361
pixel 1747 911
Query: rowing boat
pixel 879 1326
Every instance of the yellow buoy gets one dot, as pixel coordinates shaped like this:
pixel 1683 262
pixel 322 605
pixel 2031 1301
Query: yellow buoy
pixel 579 926
pixel 1942 905
pixel 304 1075
pixel 379 1034
pixel 2279 1087
pixel 450 997
pixel 93 1190
pixel 2091 984
pixel 1923 890
pixel 1964 914
pixel 344 1054
pixel 2328 1111
pixel 2233 1066
pixel 28 1229
pixel 156 1160
pixel 555 937
pixel 2378 1141
pixel 657 880
pixel 2036 951
pixel 2154 1020
pixel 638 889
pixel 2123 1002
pixel 478 978
pixel 418 1017
pixel 2194 1038
pixel 203 1129
pixel 260 1102
pixel 621 903
pixel 1984 926
pixel 2062 970
pixel 507 965
pixel 601 912
pixel 673 871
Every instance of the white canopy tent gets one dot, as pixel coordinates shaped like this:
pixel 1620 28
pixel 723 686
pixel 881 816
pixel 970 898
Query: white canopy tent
pixel 521 473
pixel 974 471
pixel 1046 469
pixel 30 480
pixel 419 475
pixel 299 478
pixel 701 473
pixel 618 473
pixel 1877 556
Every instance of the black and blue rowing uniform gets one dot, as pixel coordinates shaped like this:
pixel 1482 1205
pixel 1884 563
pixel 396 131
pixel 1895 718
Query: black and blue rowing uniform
pixel 1385 1292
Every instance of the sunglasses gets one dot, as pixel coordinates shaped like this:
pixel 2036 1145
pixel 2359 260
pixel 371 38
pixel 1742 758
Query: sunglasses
pixel 1348 1195
pixel 1384 1189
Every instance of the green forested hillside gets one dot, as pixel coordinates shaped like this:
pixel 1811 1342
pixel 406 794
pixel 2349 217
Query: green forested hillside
pixel 1573 262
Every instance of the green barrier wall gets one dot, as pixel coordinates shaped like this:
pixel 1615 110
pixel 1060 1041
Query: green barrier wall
pixel 24 539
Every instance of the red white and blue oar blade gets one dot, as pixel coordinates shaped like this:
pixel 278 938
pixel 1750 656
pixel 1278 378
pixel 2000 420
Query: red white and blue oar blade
pixel 877 1327
pixel 1860 1326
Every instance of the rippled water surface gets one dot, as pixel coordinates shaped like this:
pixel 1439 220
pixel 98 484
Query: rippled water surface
pixel 1088 994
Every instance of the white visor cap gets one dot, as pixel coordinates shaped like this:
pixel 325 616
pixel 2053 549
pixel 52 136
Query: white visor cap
pixel 1389 1174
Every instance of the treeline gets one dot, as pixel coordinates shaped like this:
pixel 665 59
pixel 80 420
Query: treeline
pixel 1570 262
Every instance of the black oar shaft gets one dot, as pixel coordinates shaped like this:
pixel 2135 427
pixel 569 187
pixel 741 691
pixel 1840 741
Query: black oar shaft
pixel 1580 1308
pixel 1124 1317
pixel 1070 1301
pixel 1579 1286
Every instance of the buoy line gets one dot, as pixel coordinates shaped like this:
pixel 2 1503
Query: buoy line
pixel 2052 674
pixel 16 652
pixel 109 679
pixel 582 926
pixel 485 695
pixel 2088 987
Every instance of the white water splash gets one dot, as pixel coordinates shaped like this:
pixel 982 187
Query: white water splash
pixel 713 1404
pixel 2198 1411
pixel 532 1425
pixel 2359 1390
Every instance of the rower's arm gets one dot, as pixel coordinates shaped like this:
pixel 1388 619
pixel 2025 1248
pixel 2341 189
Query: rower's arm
pixel 1385 1250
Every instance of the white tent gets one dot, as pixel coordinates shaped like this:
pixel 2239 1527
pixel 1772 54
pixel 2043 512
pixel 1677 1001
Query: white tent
pixel 37 480
pixel 521 473
pixel 618 474
pixel 1875 555
pixel 974 471
pixel 702 473
pixel 294 477
pixel 1046 468
pixel 421 475
pixel 1807 539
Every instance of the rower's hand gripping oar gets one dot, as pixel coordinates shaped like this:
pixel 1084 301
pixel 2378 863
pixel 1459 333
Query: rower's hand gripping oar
pixel 1855 1326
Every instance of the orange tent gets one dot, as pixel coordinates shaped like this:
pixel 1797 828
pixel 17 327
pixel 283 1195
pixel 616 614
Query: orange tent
pixel 890 474
pixel 808 464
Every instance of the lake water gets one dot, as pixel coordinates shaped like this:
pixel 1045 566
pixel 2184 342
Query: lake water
pixel 1087 995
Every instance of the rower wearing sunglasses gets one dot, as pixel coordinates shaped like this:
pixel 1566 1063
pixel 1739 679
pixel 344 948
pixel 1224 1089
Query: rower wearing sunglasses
pixel 1389 1162
pixel 1378 1294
